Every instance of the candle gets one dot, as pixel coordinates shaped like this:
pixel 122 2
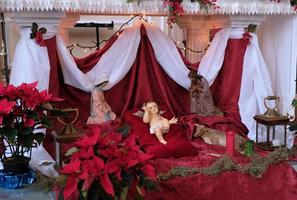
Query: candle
pixel 249 149
pixel 230 142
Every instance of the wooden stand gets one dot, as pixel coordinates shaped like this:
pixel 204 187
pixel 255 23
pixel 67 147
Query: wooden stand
pixel 63 139
pixel 268 122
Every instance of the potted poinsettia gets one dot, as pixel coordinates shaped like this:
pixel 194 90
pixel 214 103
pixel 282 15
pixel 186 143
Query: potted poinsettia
pixel 24 111
pixel 107 165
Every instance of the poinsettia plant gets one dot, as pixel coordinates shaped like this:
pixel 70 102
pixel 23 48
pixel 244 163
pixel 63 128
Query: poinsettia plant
pixel 22 115
pixel 107 165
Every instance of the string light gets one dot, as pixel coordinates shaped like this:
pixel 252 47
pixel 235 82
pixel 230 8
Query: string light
pixel 191 50
pixel 118 32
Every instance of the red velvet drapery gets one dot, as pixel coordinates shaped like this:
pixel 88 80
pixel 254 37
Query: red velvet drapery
pixel 226 87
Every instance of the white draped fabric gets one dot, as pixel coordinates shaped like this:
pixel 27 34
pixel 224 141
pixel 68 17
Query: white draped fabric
pixel 30 62
pixel 255 82
pixel 117 61
pixel 213 59
pixel 168 56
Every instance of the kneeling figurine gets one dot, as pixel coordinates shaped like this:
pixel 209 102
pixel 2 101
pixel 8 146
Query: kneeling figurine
pixel 158 124
pixel 100 111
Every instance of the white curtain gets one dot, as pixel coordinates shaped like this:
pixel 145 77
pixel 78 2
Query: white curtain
pixel 255 82
pixel 278 39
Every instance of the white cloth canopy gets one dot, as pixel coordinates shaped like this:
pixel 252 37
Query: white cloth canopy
pixel 116 61
pixel 119 58
pixel 30 62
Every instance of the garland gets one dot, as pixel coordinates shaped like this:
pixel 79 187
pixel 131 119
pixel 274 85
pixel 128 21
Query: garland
pixel 47 184
pixel 176 9
pixel 256 168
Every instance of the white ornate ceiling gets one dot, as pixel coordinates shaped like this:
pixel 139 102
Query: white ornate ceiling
pixel 265 7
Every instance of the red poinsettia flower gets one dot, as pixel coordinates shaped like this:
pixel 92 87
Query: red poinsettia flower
pixel 106 184
pixel 11 92
pixel 149 171
pixel 2 89
pixel 5 108
pixel 247 37
pixel 70 188
pixel 72 168
pixel 49 97
pixel 29 122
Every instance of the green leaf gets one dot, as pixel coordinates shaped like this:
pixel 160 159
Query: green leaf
pixel 39 137
pixel 293 127
pixel 46 122
pixel 84 193
pixel 32 35
pixel 10 133
pixel 71 151
pixel 28 141
pixel 42 30
pixel 138 188
pixel 31 114
pixel 27 131
pixel 34 26
pixel 252 28
pixel 294 103
pixel 124 193
pixel 124 130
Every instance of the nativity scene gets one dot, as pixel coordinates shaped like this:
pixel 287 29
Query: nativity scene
pixel 154 120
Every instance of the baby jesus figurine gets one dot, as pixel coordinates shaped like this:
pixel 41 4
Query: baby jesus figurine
pixel 158 124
